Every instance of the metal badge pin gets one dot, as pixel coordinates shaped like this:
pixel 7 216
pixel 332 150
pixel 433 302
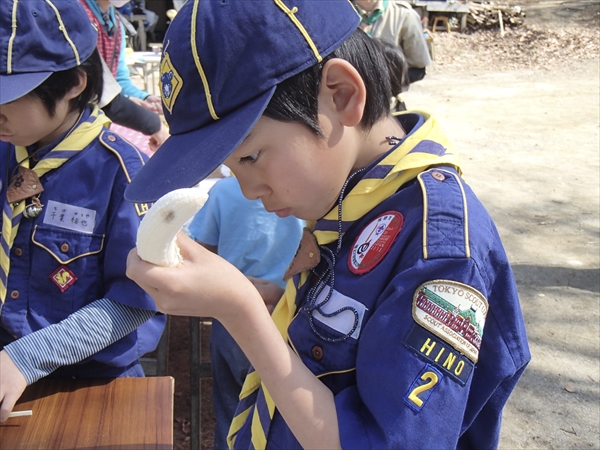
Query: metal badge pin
pixel 34 209
pixel 392 140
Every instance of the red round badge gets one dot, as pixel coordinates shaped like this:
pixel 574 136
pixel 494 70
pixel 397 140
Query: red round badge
pixel 374 242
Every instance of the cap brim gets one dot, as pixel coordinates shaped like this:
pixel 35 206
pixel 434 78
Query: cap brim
pixel 184 160
pixel 16 85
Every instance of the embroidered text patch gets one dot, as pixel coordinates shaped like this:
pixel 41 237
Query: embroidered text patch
pixel 452 311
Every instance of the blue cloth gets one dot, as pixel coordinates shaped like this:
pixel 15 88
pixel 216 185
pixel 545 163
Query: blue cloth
pixel 402 378
pixel 260 245
pixel 256 242
pixel 93 180
pixel 124 75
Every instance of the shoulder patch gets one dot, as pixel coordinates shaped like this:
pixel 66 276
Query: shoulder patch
pixel 440 354
pixel 421 389
pixel 374 242
pixel 445 215
pixel 455 312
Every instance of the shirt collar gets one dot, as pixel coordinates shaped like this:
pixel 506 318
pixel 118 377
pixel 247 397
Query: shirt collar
pixel 370 17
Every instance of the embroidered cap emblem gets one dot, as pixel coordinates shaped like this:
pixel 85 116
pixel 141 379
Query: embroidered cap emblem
pixel 454 312
pixel 63 278
pixel 374 242
pixel 170 83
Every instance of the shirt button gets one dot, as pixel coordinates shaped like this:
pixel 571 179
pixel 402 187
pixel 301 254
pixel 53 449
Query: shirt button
pixel 111 138
pixel 18 251
pixel 14 294
pixel 438 176
pixel 64 247
pixel 317 353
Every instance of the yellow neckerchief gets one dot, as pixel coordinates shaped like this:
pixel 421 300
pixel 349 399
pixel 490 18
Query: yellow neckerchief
pixel 407 161
pixel 78 139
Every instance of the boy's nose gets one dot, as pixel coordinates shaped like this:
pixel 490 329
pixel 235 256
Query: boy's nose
pixel 253 190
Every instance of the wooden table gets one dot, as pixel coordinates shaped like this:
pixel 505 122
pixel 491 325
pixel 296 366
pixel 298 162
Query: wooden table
pixel 100 414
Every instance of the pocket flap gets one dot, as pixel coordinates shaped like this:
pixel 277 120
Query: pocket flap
pixel 66 246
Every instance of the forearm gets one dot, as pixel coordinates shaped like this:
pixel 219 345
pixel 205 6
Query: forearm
pixel 82 334
pixel 124 112
pixel 305 403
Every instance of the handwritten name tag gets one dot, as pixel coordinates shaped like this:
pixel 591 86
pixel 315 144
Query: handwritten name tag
pixel 71 217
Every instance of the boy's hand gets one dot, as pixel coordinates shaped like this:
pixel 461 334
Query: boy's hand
pixel 12 385
pixel 270 292
pixel 204 284
pixel 158 138
pixel 151 103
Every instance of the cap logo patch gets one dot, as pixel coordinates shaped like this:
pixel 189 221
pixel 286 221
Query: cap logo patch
pixel 63 278
pixel 170 83
pixel 374 242
pixel 454 312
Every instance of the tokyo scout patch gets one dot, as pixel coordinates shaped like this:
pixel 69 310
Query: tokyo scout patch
pixel 453 311
pixel 63 278
pixel 374 242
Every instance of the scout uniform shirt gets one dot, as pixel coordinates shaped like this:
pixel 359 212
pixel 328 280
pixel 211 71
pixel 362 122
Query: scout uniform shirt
pixel 74 252
pixel 412 319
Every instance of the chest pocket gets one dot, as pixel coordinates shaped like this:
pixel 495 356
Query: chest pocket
pixel 81 253
pixel 67 246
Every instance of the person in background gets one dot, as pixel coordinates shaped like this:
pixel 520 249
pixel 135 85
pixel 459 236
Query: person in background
pixel 139 7
pixel 260 245
pixel 400 325
pixel 68 310
pixel 397 22
pixel 397 66
pixel 112 44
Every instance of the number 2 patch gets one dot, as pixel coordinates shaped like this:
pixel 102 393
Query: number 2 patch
pixel 421 389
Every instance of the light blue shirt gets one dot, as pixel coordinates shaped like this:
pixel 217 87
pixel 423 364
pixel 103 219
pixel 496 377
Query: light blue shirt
pixel 256 242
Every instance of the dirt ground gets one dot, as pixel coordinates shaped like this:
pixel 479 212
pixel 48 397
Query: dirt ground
pixel 523 112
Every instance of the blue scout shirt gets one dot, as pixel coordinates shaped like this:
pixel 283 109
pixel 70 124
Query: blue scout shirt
pixel 422 340
pixel 85 230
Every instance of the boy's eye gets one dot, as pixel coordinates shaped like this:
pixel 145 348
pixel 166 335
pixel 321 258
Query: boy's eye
pixel 250 158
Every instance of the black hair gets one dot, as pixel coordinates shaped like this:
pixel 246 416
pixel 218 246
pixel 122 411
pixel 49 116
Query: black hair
pixel 295 99
pixel 396 64
pixel 56 86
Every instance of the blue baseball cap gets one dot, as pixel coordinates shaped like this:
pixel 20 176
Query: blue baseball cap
pixel 37 38
pixel 221 63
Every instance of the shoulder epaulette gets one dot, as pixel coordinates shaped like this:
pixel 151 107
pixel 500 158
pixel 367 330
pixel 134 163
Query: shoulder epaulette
pixel 445 214
pixel 130 158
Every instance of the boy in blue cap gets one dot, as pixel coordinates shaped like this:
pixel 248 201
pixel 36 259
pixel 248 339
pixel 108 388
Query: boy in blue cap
pixel 400 325
pixel 67 308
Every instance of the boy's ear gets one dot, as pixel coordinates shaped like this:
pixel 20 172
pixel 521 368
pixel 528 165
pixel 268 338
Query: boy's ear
pixel 76 90
pixel 343 90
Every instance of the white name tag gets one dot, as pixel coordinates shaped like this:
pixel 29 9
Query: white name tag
pixel 71 217
pixel 344 321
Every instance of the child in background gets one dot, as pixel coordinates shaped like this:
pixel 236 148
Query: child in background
pixel 111 45
pixel 400 326
pixel 67 308
pixel 261 246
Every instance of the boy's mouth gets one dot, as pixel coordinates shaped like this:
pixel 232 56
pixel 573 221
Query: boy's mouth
pixel 283 212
